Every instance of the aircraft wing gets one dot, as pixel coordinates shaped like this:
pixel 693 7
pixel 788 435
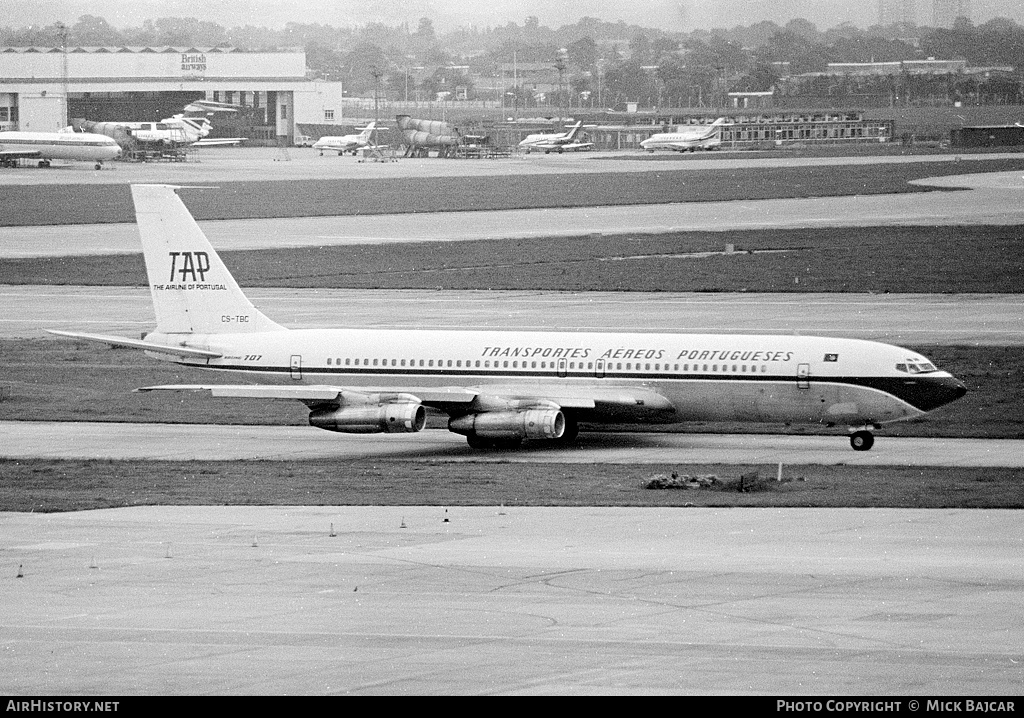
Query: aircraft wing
pixel 19 154
pixel 620 401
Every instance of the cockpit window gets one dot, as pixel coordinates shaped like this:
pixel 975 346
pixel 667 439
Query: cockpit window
pixel 916 367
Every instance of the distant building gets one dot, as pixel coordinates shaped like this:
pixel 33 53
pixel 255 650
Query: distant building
pixel 929 66
pixel 42 88
pixel 893 12
pixel 946 12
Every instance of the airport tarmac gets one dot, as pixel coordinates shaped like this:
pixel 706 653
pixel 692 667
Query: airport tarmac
pixel 228 164
pixel 915 319
pixel 512 601
pixel 216 442
pixel 989 199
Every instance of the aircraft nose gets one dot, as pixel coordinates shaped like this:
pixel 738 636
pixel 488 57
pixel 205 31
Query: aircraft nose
pixel 932 392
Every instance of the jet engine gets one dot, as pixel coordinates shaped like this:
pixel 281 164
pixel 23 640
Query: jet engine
pixel 506 425
pixel 389 418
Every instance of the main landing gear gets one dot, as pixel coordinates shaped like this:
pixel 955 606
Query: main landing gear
pixel 862 440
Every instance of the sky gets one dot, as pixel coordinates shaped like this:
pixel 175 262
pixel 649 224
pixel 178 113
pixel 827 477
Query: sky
pixel 673 15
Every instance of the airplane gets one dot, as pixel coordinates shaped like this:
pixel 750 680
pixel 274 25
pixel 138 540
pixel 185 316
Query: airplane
pixel 700 138
pixel 501 387
pixel 555 141
pixel 348 143
pixel 64 145
pixel 177 130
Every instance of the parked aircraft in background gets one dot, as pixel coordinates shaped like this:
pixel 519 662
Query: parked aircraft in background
pixel 47 146
pixel 347 143
pixel 176 131
pixel 707 137
pixel 556 141
pixel 500 387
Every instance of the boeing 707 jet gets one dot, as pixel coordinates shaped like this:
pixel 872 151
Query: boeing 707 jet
pixel 501 387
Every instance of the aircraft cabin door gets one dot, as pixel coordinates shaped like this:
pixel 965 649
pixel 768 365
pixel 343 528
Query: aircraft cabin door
pixel 803 371
pixel 599 368
pixel 296 366
pixel 562 368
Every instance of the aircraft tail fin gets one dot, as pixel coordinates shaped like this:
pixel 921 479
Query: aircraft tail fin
pixel 368 130
pixel 193 292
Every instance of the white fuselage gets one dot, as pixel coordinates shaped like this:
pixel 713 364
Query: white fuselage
pixel 682 141
pixel 80 146
pixel 344 143
pixel 662 378
pixel 553 140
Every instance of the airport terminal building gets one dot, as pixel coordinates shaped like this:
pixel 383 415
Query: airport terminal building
pixel 43 88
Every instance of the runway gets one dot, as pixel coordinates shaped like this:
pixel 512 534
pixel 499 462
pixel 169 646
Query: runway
pixel 512 601
pixel 991 199
pixel 214 442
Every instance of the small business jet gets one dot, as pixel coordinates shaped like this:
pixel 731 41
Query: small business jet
pixel 556 141
pixel 47 146
pixel 347 143
pixel 501 387
pixel 690 140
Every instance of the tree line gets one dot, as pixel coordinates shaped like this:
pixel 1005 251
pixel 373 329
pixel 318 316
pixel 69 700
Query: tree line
pixel 599 61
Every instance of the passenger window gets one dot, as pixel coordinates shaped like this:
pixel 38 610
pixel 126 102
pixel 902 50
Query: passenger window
pixel 328 361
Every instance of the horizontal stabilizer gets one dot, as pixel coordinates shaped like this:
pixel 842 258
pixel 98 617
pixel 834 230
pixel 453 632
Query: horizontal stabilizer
pixel 180 351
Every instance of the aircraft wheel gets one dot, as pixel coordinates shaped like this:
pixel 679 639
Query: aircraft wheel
pixel 862 440
pixel 99 166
